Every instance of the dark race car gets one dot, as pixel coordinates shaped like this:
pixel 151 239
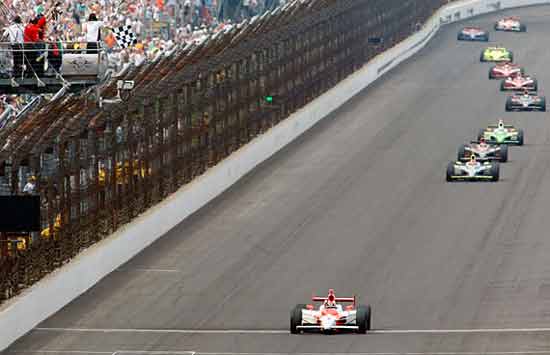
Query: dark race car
pixel 472 34
pixel 519 83
pixel 483 151
pixel 505 70
pixel 511 24
pixel 526 102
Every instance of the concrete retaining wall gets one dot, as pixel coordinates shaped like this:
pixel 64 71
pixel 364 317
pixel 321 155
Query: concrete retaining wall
pixel 21 314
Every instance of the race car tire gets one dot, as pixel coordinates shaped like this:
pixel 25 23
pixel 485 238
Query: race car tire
pixel 485 39
pixel 495 172
pixel 296 318
pixel 520 136
pixel 496 27
pixel 459 37
pixel 450 171
pixel 503 153
pixel 523 28
pixel 363 319
pixel 491 76
pixel 461 152
pixel 511 57
pixel 535 85
pixel 543 105
pixel 481 57
pixel 508 106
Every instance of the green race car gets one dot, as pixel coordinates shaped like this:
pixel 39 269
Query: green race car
pixel 502 134
pixel 496 54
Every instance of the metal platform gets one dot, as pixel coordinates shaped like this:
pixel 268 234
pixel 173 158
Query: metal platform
pixel 52 85
pixel 44 69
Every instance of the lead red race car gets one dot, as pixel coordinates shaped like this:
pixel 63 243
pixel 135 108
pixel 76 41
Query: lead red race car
pixel 519 83
pixel 331 316
pixel 505 70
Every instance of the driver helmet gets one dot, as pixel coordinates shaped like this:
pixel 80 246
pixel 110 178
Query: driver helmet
pixel 330 302
pixel 526 92
pixel 482 141
pixel 473 159
pixel 500 124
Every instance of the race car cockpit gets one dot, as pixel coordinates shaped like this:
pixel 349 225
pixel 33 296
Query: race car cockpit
pixel 48 67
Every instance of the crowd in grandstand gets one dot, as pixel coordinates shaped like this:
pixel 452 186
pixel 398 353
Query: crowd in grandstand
pixel 158 24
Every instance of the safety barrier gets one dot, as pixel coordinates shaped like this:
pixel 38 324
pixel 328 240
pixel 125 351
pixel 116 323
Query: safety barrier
pixel 55 290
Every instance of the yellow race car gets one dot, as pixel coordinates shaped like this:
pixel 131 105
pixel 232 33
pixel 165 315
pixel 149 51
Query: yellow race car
pixel 496 54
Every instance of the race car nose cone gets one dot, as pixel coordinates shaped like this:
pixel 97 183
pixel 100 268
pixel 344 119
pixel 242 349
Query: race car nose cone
pixel 328 322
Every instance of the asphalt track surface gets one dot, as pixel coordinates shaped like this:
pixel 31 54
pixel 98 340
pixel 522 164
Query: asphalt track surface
pixel 359 204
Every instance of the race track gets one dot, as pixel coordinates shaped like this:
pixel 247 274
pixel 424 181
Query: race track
pixel 359 204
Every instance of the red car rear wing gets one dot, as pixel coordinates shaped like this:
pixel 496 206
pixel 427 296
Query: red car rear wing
pixel 336 299
pixel 331 297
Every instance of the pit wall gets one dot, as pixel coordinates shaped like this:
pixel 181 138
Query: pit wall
pixel 22 313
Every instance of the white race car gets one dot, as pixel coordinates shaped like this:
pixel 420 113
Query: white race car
pixel 512 24
pixel 473 170
pixel 526 102
pixel 331 316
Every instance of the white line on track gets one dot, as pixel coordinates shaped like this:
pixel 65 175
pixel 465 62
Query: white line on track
pixel 59 352
pixel 526 352
pixel 153 352
pixel 460 331
pixel 179 352
pixel 280 331
pixel 118 352
pixel 164 331
pixel 149 270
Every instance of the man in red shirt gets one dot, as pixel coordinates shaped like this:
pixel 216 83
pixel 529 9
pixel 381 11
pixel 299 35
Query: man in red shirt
pixel 34 35
pixel 34 31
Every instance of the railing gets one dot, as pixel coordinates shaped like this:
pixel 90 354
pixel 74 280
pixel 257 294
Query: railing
pixel 46 67
pixel 98 169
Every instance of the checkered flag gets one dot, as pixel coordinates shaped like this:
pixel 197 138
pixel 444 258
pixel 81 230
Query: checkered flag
pixel 124 36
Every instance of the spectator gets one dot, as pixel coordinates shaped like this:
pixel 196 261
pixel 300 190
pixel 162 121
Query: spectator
pixel 93 32
pixel 34 31
pixel 15 31
pixel 15 36
pixel 30 187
